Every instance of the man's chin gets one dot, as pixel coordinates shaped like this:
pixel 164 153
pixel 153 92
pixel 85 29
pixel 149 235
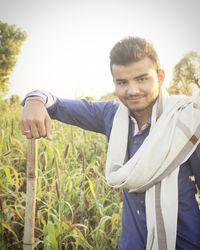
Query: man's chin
pixel 136 108
pixel 139 107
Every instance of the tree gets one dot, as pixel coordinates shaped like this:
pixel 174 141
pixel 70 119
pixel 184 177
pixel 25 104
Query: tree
pixel 186 75
pixel 109 96
pixel 11 39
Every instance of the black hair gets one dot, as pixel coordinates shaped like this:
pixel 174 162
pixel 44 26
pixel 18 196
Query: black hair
pixel 133 49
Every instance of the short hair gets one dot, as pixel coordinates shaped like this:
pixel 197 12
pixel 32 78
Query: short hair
pixel 133 49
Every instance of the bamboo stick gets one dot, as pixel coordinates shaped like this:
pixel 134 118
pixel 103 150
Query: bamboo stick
pixel 31 187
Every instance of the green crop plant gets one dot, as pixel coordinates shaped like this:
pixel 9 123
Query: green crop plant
pixel 75 208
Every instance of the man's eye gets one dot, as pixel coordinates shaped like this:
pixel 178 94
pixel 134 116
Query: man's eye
pixel 121 83
pixel 142 79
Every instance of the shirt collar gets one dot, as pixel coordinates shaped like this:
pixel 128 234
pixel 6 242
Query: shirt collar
pixel 136 129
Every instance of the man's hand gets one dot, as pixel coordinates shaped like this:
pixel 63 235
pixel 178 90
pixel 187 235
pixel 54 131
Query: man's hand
pixel 35 120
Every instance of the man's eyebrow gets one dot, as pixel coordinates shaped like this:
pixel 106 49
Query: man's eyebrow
pixel 140 76
pixel 135 78
pixel 120 79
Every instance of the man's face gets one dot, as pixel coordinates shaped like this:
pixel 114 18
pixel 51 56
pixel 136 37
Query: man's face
pixel 137 85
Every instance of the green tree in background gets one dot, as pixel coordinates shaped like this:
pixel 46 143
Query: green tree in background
pixel 186 75
pixel 11 39
pixel 109 96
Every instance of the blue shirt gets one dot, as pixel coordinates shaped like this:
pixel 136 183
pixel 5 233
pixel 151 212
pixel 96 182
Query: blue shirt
pixel 98 117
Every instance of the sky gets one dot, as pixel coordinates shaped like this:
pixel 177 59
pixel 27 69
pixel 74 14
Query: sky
pixel 68 41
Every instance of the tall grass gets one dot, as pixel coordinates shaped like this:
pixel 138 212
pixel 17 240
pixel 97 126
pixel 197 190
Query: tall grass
pixel 75 207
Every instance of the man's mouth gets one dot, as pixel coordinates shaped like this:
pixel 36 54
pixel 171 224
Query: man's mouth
pixel 134 98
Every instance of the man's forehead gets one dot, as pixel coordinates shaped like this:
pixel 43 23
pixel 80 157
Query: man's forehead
pixel 132 70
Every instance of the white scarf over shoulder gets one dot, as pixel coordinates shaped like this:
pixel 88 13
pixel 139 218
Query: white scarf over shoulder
pixel 173 137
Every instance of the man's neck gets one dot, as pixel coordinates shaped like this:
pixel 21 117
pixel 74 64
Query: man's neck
pixel 142 117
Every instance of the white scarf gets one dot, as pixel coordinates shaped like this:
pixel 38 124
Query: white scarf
pixel 173 137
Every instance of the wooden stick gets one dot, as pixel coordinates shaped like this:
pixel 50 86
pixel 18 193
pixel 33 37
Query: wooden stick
pixel 31 187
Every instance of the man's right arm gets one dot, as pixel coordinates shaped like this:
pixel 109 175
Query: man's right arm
pixel 94 116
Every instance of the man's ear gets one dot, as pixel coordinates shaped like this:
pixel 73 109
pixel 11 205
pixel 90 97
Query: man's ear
pixel 161 76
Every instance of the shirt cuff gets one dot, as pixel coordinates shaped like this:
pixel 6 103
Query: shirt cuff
pixel 48 98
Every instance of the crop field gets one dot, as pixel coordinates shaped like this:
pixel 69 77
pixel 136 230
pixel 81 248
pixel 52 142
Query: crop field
pixel 75 208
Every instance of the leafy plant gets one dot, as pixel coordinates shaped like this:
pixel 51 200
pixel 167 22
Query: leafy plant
pixel 76 209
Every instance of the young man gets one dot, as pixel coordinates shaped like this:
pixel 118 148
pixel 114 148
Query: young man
pixel 153 147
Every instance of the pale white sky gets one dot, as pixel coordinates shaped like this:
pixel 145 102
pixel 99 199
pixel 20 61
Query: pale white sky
pixel 68 44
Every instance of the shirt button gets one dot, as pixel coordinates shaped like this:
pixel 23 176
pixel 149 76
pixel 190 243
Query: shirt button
pixel 138 212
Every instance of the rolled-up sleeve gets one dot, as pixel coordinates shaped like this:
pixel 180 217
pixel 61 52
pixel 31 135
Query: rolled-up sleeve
pixel 48 98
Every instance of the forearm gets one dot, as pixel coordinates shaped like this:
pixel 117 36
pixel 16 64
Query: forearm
pixel 82 113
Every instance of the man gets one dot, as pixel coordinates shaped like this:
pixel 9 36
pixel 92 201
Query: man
pixel 153 147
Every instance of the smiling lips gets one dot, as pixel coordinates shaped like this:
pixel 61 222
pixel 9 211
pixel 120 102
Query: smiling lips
pixel 134 98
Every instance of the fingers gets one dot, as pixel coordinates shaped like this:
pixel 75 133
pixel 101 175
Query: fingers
pixel 26 130
pixel 35 121
pixel 33 129
pixel 48 128
pixel 39 129
pixel 27 133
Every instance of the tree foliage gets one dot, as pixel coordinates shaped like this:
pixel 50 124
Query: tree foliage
pixel 186 75
pixel 11 39
pixel 109 96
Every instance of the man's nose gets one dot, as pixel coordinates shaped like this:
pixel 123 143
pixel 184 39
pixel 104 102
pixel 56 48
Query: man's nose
pixel 133 88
